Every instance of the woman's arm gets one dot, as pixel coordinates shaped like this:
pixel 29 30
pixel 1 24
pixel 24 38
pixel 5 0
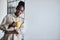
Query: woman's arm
pixel 5 26
pixel 11 32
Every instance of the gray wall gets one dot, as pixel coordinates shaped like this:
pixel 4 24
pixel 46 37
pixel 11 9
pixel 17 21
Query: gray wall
pixel 43 20
pixel 3 9
pixel 3 12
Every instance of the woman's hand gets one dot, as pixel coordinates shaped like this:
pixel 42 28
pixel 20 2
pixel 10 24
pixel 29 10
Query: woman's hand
pixel 12 25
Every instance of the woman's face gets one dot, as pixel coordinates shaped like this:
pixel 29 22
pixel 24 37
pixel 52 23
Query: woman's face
pixel 19 10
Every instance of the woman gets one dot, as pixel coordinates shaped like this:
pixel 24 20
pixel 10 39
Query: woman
pixel 8 24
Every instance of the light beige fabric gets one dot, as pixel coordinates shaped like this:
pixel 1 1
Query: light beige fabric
pixel 4 25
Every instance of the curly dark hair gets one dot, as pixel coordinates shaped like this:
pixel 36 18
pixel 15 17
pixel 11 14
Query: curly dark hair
pixel 21 3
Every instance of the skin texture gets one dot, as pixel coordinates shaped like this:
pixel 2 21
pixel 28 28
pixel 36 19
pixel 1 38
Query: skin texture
pixel 19 10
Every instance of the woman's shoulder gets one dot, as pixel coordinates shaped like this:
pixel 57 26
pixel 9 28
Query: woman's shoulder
pixel 8 15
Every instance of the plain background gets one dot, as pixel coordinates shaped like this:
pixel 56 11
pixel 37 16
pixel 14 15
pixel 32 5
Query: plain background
pixel 42 19
pixel 3 12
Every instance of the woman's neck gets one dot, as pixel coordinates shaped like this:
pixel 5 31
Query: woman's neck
pixel 16 14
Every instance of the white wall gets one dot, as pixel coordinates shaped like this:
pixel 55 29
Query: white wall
pixel 43 20
pixel 3 12
pixel 3 9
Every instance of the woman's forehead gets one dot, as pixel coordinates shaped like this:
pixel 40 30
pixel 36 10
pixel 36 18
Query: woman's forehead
pixel 21 8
